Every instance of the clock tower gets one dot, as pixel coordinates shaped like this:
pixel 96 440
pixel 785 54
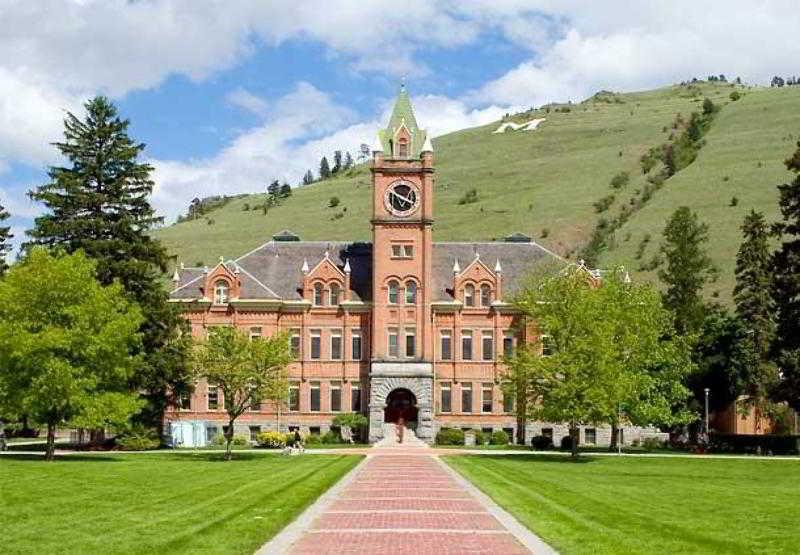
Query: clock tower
pixel 402 218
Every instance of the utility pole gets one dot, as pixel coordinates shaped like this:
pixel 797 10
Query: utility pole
pixel 706 392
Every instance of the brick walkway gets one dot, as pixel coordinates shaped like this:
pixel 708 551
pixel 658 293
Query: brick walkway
pixel 405 501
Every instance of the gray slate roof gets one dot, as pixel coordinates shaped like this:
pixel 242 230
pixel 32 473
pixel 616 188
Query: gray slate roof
pixel 274 270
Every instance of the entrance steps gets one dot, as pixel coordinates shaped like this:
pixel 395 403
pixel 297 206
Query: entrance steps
pixel 391 437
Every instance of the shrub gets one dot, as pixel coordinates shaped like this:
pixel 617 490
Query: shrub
pixel 735 95
pixel 754 444
pixel 333 202
pixel 240 441
pixel 499 437
pixel 542 443
pixel 566 443
pixel 545 232
pixel 620 180
pixel 480 438
pixel 313 439
pixel 469 197
pixel 331 437
pixel 271 440
pixel 604 203
pixel 734 201
pixel 246 207
pixel 653 443
pixel 450 436
pixel 138 438
pixel 708 106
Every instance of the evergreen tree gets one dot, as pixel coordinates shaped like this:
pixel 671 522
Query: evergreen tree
pixel 348 161
pixel 324 168
pixel 99 203
pixel 786 286
pixel 274 189
pixel 5 237
pixel 337 161
pixel 688 268
pixel 753 276
pixel 286 190
pixel 308 178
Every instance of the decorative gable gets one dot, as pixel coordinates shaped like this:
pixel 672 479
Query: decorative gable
pixel 217 279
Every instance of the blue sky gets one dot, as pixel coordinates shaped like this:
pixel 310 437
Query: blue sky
pixel 230 95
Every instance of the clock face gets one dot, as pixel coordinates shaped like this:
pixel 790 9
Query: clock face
pixel 402 198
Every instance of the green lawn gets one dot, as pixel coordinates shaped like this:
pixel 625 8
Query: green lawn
pixel 646 505
pixel 159 503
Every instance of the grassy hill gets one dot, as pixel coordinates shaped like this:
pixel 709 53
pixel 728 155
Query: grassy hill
pixel 545 183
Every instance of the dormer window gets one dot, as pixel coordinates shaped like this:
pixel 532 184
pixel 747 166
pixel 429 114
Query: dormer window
pixel 402 148
pixel 318 295
pixel 469 295
pixel 486 295
pixel 221 292
pixel 411 292
pixel 335 294
pixel 393 285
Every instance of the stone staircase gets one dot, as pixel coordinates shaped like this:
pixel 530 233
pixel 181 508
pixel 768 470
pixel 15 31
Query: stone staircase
pixel 391 435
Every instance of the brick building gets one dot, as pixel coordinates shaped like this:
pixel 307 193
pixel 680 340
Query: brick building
pixel 402 327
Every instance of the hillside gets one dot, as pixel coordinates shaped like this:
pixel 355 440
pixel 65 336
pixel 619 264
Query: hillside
pixel 544 183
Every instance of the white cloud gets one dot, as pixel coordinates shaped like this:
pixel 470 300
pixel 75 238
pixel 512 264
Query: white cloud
pixel 246 100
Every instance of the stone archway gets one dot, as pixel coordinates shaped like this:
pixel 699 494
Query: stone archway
pixel 401 404
pixel 421 388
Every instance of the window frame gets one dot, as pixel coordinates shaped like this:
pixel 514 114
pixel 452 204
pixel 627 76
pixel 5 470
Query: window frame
pixel 445 387
pixel 486 295
pixel 393 332
pixel 292 401
pixel 467 339
pixel 217 404
pixel 319 294
pixel 410 334
pixel 446 334
pixel 469 295
pixel 295 343
pixel 487 335
pixel 334 294
pixel 356 337
pixel 315 387
pixel 508 343
pixel 315 334
pixel 355 397
pixel 487 387
pixel 392 292
pixel 336 345
pixel 335 392
pixel 410 287
pixel 466 394
pixel 221 294
pixel 256 334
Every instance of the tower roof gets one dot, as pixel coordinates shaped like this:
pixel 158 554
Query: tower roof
pixel 403 116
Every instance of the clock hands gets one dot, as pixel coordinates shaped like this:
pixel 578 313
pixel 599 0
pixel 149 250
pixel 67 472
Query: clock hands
pixel 401 198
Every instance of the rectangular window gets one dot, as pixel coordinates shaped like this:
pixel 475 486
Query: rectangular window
pixel 393 340
pixel 294 397
pixel 508 343
pixel 213 397
pixel 254 431
pixel 315 397
pixel 508 402
pixel 590 436
pixel 547 432
pixel 355 397
pixel 397 251
pixel 316 344
pixel 466 345
pixel 487 345
pixel 294 343
pixel 255 332
pixel 336 396
pixel 445 345
pixel 211 433
pixel 547 345
pixel 408 251
pixel 510 433
pixel 411 342
pixel 466 397
pixel 487 397
pixel 446 394
pixel 336 344
pixel 355 344
pixel 185 400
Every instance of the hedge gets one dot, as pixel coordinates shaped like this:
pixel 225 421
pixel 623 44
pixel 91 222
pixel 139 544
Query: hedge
pixel 754 444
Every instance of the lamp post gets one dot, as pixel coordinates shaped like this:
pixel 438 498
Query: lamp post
pixel 706 390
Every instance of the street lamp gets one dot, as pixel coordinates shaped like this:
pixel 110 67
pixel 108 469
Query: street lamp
pixel 706 391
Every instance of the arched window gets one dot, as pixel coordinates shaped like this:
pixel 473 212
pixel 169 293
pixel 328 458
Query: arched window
pixel 469 295
pixel 318 299
pixel 221 292
pixel 411 292
pixel 335 294
pixel 486 295
pixel 402 148
pixel 393 285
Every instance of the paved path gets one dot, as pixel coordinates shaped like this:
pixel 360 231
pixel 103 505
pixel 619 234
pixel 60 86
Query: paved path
pixel 404 500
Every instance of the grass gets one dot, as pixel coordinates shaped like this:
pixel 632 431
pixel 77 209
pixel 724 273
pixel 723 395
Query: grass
pixel 158 503
pixel 550 179
pixel 646 505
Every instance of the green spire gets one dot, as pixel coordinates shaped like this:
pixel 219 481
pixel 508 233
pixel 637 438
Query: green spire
pixel 402 115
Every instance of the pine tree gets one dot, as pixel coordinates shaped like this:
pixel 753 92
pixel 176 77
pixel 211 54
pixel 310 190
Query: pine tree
pixel 324 168
pixel 274 189
pixel 348 161
pixel 753 276
pixel 99 203
pixel 286 190
pixel 337 161
pixel 308 178
pixel 688 268
pixel 5 237
pixel 785 266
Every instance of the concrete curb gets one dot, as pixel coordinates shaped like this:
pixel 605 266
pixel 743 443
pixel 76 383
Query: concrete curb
pixel 286 538
pixel 527 538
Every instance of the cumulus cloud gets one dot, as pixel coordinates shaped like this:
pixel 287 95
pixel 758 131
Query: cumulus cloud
pixel 248 101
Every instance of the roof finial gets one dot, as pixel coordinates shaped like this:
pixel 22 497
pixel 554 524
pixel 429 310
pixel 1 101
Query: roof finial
pixel 304 269
pixel 176 276
pixel 627 278
pixel 497 268
pixel 347 266
pixel 427 146
pixel 222 260
pixel 456 267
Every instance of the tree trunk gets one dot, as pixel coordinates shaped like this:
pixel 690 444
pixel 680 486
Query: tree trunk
pixel 614 437
pixel 50 453
pixel 229 441
pixel 574 433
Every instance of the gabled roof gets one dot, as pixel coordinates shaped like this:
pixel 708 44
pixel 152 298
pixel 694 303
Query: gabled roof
pixel 403 116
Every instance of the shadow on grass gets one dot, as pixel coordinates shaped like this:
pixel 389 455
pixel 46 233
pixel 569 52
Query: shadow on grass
pixel 60 458
pixel 533 457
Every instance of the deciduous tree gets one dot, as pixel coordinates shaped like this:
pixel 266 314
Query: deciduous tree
pixel 5 237
pixel 66 344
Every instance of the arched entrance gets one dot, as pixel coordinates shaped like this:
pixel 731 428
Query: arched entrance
pixel 400 403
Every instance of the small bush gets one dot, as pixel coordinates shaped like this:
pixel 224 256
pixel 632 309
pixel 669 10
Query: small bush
pixel 754 444
pixel 245 207
pixel 734 201
pixel 271 440
pixel 313 439
pixel 138 438
pixel 545 232
pixel 240 441
pixel 620 180
pixel 480 438
pixel 735 95
pixel 604 204
pixel 542 443
pixel 333 202
pixel 653 443
pixel 499 437
pixel 469 197
pixel 566 443
pixel 708 106
pixel 450 436
pixel 331 437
